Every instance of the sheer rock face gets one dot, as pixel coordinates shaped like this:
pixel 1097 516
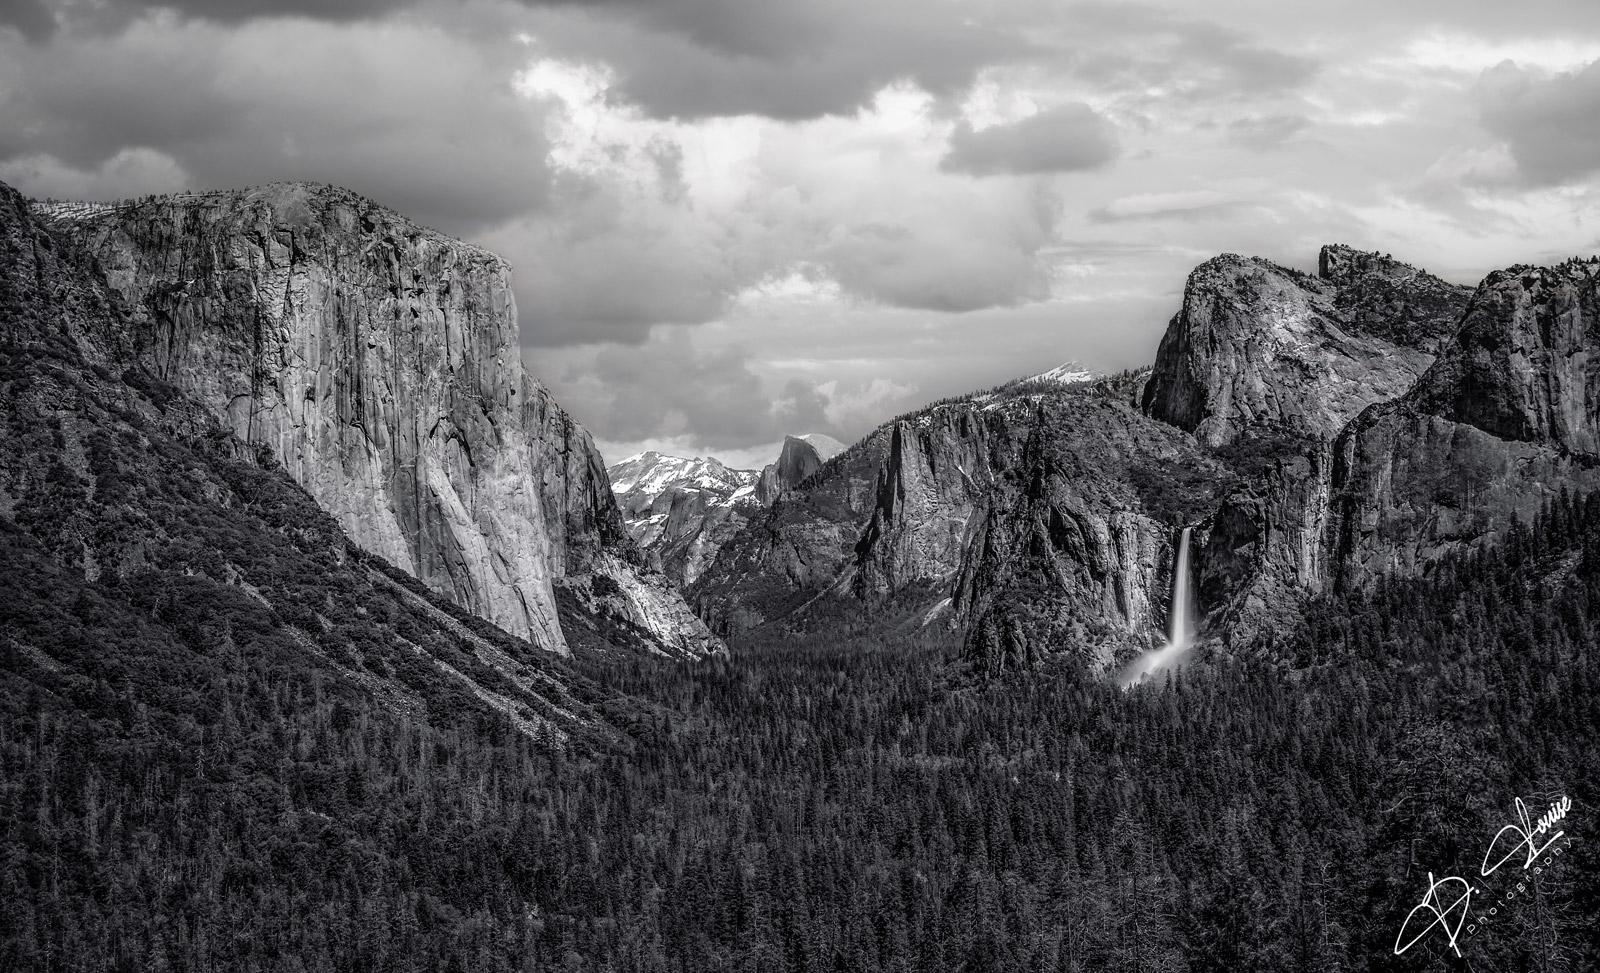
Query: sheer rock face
pixel 1526 363
pixel 1268 365
pixel 126 494
pixel 801 456
pixel 1034 519
pixel 937 467
pixel 1074 542
pixel 1029 523
pixel 1507 417
pixel 379 362
pixel 1258 347
pixel 1261 552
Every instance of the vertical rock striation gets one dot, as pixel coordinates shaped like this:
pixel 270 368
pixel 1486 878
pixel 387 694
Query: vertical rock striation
pixel 378 361
pixel 1258 348
pixel 1267 365
pixel 800 457
pixel 1505 419
pixel 132 525
pixel 1032 520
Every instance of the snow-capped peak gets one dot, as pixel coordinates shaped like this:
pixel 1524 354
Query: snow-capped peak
pixel 651 473
pixel 1067 373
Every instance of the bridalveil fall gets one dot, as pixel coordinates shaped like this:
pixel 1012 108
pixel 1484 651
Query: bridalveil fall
pixel 1179 622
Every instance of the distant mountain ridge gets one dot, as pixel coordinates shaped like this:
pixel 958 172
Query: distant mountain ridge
pixel 1067 373
pixel 681 510
pixel 957 515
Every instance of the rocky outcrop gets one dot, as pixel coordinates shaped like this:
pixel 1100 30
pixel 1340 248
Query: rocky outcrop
pixel 1045 516
pixel 1075 546
pixel 1041 514
pixel 1260 554
pixel 379 363
pixel 1525 364
pixel 1507 417
pixel 767 485
pixel 801 456
pixel 1267 365
pixel 681 511
pixel 144 541
pixel 1263 349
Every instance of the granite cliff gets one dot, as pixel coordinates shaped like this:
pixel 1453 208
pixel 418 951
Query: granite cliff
pixel 1043 513
pixel 378 361
pixel 1034 515
pixel 1505 419
pixel 147 547
pixel 800 457
pixel 1258 349
pixel 1267 365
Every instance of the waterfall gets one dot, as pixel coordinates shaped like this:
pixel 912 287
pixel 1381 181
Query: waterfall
pixel 1180 615
pixel 1178 620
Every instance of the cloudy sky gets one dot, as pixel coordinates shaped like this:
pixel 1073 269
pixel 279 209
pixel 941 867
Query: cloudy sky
pixel 732 219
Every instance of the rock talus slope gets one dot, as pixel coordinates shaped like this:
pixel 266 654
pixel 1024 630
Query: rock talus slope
pixel 379 362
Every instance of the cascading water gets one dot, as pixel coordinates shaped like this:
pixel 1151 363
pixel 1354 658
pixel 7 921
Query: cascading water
pixel 1178 622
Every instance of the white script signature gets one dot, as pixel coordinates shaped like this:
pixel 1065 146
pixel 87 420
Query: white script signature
pixel 1434 904
pixel 1528 831
pixel 1446 915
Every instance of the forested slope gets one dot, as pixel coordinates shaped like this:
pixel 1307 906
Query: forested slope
pixel 229 741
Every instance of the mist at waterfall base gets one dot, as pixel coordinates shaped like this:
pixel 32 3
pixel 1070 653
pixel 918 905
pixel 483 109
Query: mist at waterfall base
pixel 1179 625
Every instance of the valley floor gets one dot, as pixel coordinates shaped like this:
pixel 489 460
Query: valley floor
pixel 823 804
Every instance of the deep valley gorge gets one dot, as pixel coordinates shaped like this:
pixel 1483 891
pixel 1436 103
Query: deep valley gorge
pixel 329 640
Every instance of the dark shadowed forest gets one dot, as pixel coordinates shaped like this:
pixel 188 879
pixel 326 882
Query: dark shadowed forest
pixel 181 790
pixel 231 741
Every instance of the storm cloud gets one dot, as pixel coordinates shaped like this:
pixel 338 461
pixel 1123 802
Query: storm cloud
pixel 731 219
pixel 668 387
pixel 450 145
pixel 792 61
pixel 1062 139
pixel 1550 123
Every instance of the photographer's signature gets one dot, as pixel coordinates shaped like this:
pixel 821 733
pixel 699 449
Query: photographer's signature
pixel 1438 910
